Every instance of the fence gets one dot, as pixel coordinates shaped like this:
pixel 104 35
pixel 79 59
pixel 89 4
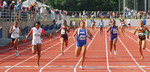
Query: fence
pixel 9 15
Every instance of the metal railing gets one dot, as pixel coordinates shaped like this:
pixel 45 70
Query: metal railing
pixel 10 15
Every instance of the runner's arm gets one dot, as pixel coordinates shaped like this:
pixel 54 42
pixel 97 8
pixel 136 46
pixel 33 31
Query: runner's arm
pixel 148 32
pixel 11 30
pixel 67 29
pixel 89 33
pixel 58 30
pixel 135 30
pixel 108 29
pixel 118 31
pixel 23 31
pixel 74 34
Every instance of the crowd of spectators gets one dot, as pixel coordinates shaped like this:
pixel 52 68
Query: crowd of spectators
pixel 128 13
pixel 15 10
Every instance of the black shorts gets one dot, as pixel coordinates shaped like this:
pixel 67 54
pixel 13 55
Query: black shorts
pixel 142 38
pixel 65 36
pixel 13 39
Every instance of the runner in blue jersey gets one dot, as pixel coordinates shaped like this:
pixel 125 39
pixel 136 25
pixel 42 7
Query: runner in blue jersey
pixel 114 32
pixel 101 24
pixel 81 41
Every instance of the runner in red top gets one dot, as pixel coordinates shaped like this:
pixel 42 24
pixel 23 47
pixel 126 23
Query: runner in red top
pixel 64 37
pixel 36 39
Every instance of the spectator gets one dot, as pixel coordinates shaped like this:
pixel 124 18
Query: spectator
pixel 12 6
pixel 56 12
pixel 114 15
pixel 98 14
pixel 108 14
pixel 8 3
pixel 42 12
pixel 4 4
pixel 117 14
pixel 54 21
pixel 52 11
pixel 1 6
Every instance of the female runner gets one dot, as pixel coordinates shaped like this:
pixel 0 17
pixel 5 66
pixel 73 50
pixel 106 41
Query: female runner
pixel 141 37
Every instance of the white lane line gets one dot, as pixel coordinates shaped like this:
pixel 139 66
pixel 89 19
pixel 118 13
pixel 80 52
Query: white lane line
pixel 28 49
pixel 55 58
pixel 21 45
pixel 32 56
pixel 131 55
pixel 87 49
pixel 107 53
pixel 25 50
pixel 132 66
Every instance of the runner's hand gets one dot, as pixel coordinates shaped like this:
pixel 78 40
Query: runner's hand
pixel 147 36
pixel 24 40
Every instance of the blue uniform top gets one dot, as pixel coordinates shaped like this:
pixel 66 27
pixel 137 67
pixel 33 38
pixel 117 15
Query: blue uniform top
pixel 82 35
pixel 113 31
pixel 101 24
pixel 110 23
pixel 144 21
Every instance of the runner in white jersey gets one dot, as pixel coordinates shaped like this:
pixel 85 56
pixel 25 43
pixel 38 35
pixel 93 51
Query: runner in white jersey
pixel 129 23
pixel 36 39
pixel 74 25
pixel 14 31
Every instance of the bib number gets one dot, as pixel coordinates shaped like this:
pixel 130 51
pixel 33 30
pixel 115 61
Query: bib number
pixel 62 31
pixel 82 37
pixel 37 35
pixel 114 31
pixel 141 34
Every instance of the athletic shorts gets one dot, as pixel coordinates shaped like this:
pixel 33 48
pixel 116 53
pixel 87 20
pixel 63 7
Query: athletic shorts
pixel 101 26
pixel 35 41
pixel 113 37
pixel 80 44
pixel 142 38
pixel 65 36
pixel 13 39
pixel 129 24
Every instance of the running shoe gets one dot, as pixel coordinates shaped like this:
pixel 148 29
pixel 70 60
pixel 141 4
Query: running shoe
pixel 110 53
pixel 62 53
pixel 142 57
pixel 115 52
pixel 38 64
pixel 17 53
pixel 81 67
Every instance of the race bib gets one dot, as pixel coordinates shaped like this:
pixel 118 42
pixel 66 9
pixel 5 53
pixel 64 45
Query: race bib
pixel 37 35
pixel 62 31
pixel 141 34
pixel 16 32
pixel 114 31
pixel 82 37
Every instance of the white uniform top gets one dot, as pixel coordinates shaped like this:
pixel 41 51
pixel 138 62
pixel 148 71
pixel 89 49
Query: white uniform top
pixel 15 34
pixel 36 35
pixel 74 23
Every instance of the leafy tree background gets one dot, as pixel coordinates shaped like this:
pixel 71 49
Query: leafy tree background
pixel 88 5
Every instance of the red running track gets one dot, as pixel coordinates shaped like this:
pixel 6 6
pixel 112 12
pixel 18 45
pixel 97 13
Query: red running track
pixel 98 58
